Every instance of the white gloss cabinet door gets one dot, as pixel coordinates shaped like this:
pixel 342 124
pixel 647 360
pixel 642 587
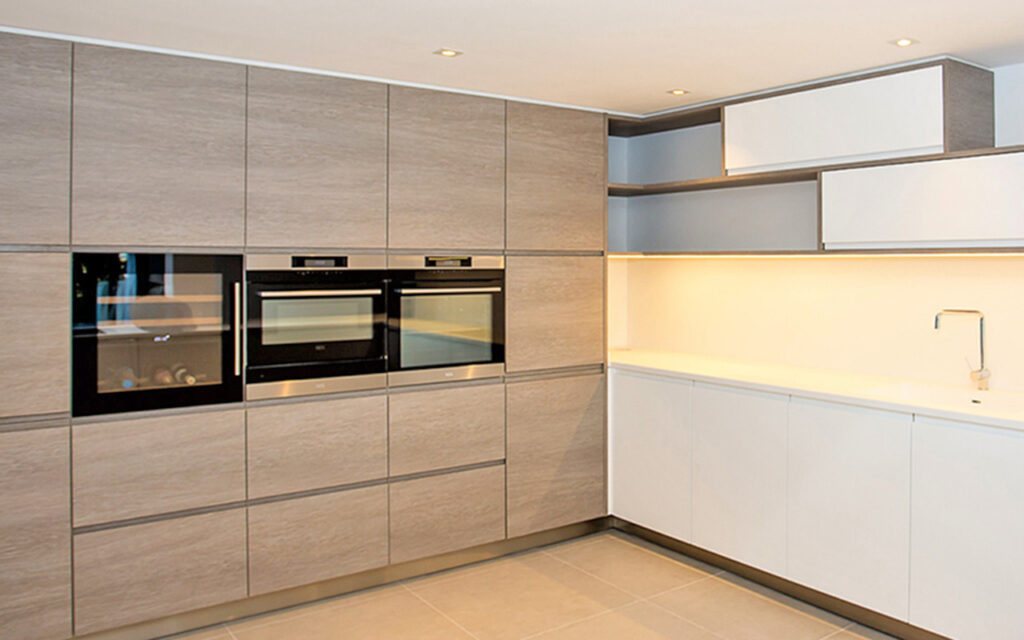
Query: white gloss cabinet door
pixel 650 453
pixel 967 530
pixel 739 474
pixel 849 503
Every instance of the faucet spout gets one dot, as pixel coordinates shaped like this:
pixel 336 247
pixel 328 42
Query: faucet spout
pixel 981 374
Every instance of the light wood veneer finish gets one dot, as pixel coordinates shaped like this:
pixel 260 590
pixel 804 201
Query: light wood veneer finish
pixel 446 162
pixel 445 428
pixel 437 514
pixel 35 535
pixel 555 309
pixel 35 137
pixel 317 165
pixel 296 542
pixel 159 149
pixel 135 468
pixel 297 447
pixel 556 453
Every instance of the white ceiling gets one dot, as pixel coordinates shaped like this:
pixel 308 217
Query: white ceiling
pixel 617 56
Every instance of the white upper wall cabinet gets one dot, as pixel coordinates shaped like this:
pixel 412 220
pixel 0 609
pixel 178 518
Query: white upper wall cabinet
pixel 965 202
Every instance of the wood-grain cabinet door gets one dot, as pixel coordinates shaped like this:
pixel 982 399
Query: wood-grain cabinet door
pixel 555 310
pixel 35 137
pixel 317 168
pixel 557 188
pixel 35 330
pixel 35 535
pixel 556 453
pixel 159 149
pixel 446 180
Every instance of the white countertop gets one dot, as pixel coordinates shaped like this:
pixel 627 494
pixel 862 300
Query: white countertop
pixel 995 408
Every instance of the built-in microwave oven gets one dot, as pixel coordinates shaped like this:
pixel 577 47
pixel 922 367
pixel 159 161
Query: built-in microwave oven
pixel 446 318
pixel 315 324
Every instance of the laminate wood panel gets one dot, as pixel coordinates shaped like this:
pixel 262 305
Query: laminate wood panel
pixel 159 149
pixel 446 162
pixel 134 468
pixel 556 183
pixel 556 453
pixel 35 535
pixel 317 161
pixel 296 447
pixel 35 139
pixel 35 330
pixel 296 542
pixel 555 310
pixel 438 514
pixel 444 428
pixel 158 569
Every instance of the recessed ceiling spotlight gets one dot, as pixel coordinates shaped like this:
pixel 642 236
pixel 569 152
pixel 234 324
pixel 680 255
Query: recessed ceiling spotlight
pixel 448 53
pixel 678 92
pixel 904 42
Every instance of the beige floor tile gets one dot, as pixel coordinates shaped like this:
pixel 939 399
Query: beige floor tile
pixel 630 567
pixel 857 632
pixel 792 603
pixel 396 615
pixel 638 621
pixel 519 597
pixel 316 607
pixel 736 613
pixel 650 546
pixel 218 632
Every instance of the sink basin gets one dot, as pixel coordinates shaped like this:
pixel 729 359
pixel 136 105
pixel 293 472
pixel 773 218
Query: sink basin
pixel 998 403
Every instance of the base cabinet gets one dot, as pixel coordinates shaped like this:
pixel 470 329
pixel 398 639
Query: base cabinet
pixel 966 529
pixel 650 452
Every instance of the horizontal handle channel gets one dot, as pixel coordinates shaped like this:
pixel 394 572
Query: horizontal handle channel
pixel 421 292
pixel 320 293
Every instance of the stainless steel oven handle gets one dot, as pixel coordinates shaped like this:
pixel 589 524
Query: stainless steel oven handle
pixel 421 292
pixel 320 293
pixel 238 328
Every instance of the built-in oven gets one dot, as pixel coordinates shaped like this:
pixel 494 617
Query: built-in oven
pixel 446 318
pixel 315 324
pixel 155 330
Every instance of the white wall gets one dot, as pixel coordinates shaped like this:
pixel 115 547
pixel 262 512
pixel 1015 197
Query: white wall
pixel 1009 105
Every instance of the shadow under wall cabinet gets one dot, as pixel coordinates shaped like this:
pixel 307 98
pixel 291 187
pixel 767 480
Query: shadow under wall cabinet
pixel 35 534
pixel 159 149
pixel 317 161
pixel 446 170
pixel 35 136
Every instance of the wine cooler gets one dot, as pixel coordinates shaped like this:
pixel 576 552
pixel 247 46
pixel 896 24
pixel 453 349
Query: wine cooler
pixel 155 330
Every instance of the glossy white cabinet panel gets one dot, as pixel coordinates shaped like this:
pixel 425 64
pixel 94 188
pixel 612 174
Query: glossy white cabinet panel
pixel 739 474
pixel 967 528
pixel 849 503
pixel 650 454
pixel 965 202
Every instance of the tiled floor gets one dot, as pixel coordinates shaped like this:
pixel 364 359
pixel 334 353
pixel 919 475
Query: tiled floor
pixel 609 585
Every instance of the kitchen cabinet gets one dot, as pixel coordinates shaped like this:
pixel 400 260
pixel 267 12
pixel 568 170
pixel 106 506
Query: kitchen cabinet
pixel 444 428
pixel 555 312
pixel 962 202
pixel 446 170
pixel 35 139
pixel 966 529
pixel 449 512
pixel 943 107
pixel 556 178
pixel 159 150
pixel 317 161
pixel 35 534
pixel 35 329
pixel 650 452
pixel 312 445
pixel 157 569
pixel 134 468
pixel 556 453
pixel 739 474
pixel 305 540
pixel 848 496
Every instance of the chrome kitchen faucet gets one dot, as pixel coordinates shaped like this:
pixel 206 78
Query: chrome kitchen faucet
pixel 981 374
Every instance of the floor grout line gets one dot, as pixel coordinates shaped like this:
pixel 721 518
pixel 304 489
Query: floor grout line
pixel 230 632
pixel 596 577
pixel 669 557
pixel 682 617
pixel 440 613
pixel 583 619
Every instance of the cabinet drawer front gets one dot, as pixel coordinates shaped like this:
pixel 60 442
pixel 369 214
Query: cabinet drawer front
pixel 297 447
pixel 158 569
pixel 445 428
pixel 296 542
pixel 35 535
pixel 134 468
pixel 438 514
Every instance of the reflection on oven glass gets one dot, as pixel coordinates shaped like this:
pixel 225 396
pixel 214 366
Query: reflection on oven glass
pixel 440 330
pixel 308 320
